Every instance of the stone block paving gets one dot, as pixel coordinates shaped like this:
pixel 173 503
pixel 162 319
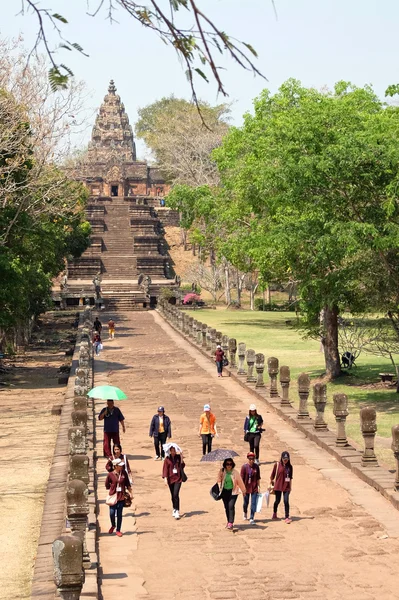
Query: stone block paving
pixel 342 543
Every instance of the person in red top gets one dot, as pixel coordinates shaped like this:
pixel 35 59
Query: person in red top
pixel 282 476
pixel 97 342
pixel 171 473
pixel 219 355
pixel 116 483
pixel 250 474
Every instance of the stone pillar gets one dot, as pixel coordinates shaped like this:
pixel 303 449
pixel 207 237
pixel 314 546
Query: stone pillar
pixel 395 449
pixel 241 358
pixel 199 333
pixel 251 363
pixel 272 367
pixel 68 571
pixel 180 321
pixel 190 321
pixel 340 411
pixel 204 331
pixel 185 323
pixel 232 352
pixel 303 391
pixel 320 401
pixel 194 329
pixel 77 440
pixel 285 378
pixel 260 367
pixel 208 339
pixel 213 341
pixel 79 467
pixel 79 419
pixel 80 403
pixel 218 338
pixel 225 344
pixel 77 511
pixel 368 423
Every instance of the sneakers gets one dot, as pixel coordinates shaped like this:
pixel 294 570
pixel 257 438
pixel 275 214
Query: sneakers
pixel 288 520
pixel 274 517
pixel 230 526
pixel 257 461
pixel 173 512
pixel 252 521
pixel 111 530
pixel 119 533
pixel 157 458
pixel 177 515
pixel 245 516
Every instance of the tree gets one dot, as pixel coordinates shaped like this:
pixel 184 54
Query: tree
pixel 195 44
pixel 319 172
pixel 174 131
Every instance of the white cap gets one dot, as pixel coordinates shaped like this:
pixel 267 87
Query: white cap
pixel 121 463
pixel 207 407
pixel 116 461
pixel 252 407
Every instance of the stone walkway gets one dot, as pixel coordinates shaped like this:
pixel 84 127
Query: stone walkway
pixel 343 541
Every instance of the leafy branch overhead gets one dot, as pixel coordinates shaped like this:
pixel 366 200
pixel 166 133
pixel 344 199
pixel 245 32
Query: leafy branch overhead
pixel 197 44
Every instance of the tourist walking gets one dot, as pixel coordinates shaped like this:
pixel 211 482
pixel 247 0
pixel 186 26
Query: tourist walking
pixel 160 430
pixel 116 483
pixel 219 356
pixel 172 474
pixel 97 325
pixel 97 344
pixel 118 455
pixel 111 329
pixel 230 483
pixel 253 430
pixel 250 474
pixel 207 429
pixel 282 477
pixel 112 416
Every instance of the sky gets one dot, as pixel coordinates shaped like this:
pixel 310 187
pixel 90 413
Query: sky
pixel 318 42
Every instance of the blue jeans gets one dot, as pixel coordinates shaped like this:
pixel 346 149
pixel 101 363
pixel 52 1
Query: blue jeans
pixel 253 503
pixel 219 366
pixel 116 509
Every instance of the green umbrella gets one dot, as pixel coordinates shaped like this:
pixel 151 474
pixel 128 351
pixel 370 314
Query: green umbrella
pixel 107 392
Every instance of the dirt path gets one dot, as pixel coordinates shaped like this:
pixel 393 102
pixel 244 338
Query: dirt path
pixel 342 543
pixel 27 436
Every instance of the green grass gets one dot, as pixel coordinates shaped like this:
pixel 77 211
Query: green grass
pixel 268 333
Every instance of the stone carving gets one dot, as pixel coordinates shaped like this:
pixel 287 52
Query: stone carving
pixel 395 449
pixel 340 411
pixel 208 338
pixel 320 401
pixel 213 341
pixel 303 391
pixel 77 511
pixel 180 320
pixel 199 333
pixel 79 467
pixel 241 358
pixel 251 363
pixel 113 175
pixel 79 419
pixel 144 281
pixel 204 333
pixel 77 440
pixel 225 344
pixel 80 403
pixel 194 327
pixel 272 368
pixel 260 367
pixel 232 352
pixel 68 566
pixel 218 338
pixel 285 378
pixel 368 422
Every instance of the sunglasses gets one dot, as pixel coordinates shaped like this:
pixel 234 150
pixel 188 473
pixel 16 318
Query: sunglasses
pixel 229 464
pixel 251 458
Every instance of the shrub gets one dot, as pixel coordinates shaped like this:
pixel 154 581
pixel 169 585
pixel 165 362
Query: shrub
pixel 191 298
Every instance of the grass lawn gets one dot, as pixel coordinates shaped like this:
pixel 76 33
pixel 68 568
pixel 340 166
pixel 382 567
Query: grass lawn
pixel 268 333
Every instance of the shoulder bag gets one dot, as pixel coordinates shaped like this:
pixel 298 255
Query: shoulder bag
pixel 111 499
pixel 183 475
pixel 215 492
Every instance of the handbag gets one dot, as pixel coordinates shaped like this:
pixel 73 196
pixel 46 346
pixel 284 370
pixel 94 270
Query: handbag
pixel 246 436
pixel 183 475
pixel 259 502
pixel 225 362
pixel 215 492
pixel 111 499
pixel 127 500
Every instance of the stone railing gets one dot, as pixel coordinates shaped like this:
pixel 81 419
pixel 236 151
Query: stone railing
pixel 250 373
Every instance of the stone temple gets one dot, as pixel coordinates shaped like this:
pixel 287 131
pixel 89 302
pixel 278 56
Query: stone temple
pixel 127 263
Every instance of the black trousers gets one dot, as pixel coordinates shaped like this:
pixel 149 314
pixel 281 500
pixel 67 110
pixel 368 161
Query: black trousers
pixel 159 440
pixel 206 441
pixel 174 492
pixel 229 502
pixel 286 503
pixel 254 441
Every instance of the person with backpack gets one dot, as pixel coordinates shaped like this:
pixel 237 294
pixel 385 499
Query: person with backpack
pixel 281 478
pixel 250 474
pixel 219 357
pixel 253 430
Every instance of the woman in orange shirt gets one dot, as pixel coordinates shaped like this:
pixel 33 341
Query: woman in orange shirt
pixel 207 428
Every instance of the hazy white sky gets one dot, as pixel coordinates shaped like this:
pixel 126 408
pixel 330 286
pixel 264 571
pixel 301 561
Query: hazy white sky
pixel 316 41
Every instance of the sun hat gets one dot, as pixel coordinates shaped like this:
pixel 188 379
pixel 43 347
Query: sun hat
pixel 207 407
pixel 218 346
pixel 121 463
pixel 251 455
pixel 252 407
pixel 116 461
pixel 161 409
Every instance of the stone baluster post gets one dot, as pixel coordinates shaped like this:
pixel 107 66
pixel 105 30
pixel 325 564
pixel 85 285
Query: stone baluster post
pixel 272 368
pixel 180 320
pixel 368 422
pixel 68 566
pixel 194 329
pixel 77 440
pixel 395 449
pixel 204 331
pixel 225 344
pixel 208 339
pixel 320 401
pixel 79 419
pixel 185 323
pixel 190 326
pixel 232 352
pixel 199 333
pixel 285 378
pixel 260 367
pixel 241 358
pixel 340 411
pixel 77 511
pixel 213 342
pixel 218 338
pixel 251 363
pixel 79 467
pixel 80 403
pixel 303 391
